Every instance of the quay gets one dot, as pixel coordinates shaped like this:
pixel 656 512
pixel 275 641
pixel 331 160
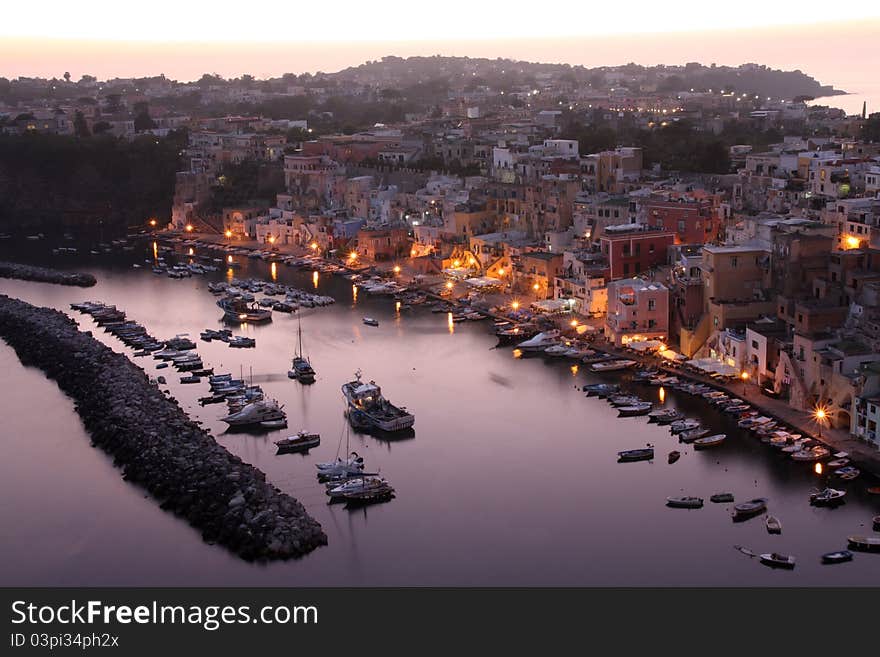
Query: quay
pixel 45 275
pixel 156 444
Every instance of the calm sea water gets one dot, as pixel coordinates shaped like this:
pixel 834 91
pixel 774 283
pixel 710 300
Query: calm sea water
pixel 511 477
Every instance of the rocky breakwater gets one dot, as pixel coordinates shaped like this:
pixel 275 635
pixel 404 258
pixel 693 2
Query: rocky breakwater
pixel 156 444
pixel 45 275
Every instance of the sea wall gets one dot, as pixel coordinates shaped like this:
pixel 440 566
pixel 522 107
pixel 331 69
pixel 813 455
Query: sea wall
pixel 44 275
pixel 156 444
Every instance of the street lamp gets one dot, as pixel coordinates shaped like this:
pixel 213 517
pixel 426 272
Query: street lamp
pixel 515 305
pixel 228 233
pixel 820 414
pixel 745 377
pixel 153 223
pixel 189 228
pixel 396 269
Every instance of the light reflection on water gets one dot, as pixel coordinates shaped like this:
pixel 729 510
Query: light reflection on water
pixel 508 461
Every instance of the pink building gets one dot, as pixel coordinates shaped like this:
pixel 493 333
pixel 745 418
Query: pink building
pixel 638 309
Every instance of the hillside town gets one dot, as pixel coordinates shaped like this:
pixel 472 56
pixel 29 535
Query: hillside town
pixel 732 229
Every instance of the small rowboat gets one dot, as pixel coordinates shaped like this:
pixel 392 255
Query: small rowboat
pixel 773 525
pixel 693 434
pixel 674 455
pixel 709 441
pixel 685 502
pixel 746 510
pixel 864 543
pixel 827 497
pixel 837 557
pixel 644 454
pixel 721 498
pixel 776 560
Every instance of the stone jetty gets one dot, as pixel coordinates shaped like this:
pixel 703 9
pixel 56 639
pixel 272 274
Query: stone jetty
pixel 45 275
pixel 156 444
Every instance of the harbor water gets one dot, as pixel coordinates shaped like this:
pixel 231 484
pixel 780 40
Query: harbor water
pixel 510 477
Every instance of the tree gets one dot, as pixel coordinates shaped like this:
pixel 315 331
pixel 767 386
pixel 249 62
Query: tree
pixel 101 127
pixel 67 76
pixel 80 126
pixel 114 103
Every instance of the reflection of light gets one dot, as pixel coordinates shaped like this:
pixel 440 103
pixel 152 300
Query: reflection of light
pixel 450 323
pixel 517 353
pixel 397 306
pixel 315 279
pixel 354 291
pixel 818 468
pixel 230 273
pixel 273 269
pixel 229 259
pixel 662 394
pixel 574 370
pixel 191 251
pixel 155 251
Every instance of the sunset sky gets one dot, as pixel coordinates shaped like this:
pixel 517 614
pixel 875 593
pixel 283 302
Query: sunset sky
pixel 184 40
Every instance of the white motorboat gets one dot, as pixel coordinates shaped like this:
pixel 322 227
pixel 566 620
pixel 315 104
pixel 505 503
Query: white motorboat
pixel 255 414
pixel 362 489
pixel 539 342
pixel 612 365
pixel 635 409
pixel 692 434
pixel 369 321
pixel 680 426
pixel 351 466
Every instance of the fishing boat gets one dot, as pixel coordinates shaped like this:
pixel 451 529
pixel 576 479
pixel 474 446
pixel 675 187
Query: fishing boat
pixel 301 369
pixel 634 410
pixel 691 435
pixel 369 321
pixel 746 510
pixel 624 400
pixel 685 502
pixel 643 454
pixel 827 497
pixel 367 399
pixel 255 414
pixel 709 441
pixel 840 556
pixel 774 526
pixel 864 543
pixel 721 498
pixel 301 442
pixel 776 560
pixel 612 365
pixel 242 342
pixel 674 455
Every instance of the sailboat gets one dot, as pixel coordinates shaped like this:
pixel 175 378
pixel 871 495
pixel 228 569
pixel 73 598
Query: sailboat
pixel 301 369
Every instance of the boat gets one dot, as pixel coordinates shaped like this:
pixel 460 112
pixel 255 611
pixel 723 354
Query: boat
pixel 776 560
pixel 643 454
pixel 746 510
pixel 237 311
pixel 301 442
pixel 864 543
pixel 848 473
pixel 625 400
pixel 838 463
pixel 827 497
pixel 680 426
pixel 634 410
pixel 242 342
pixel 367 399
pixel 351 466
pixel 301 369
pixel 612 365
pixel 873 490
pixel 280 423
pixel 665 416
pixel 721 498
pixel 601 389
pixel 692 434
pixel 362 489
pixel 709 441
pixel 674 455
pixel 812 454
pixel 369 321
pixel 685 502
pixel 190 379
pixel 255 413
pixel 876 521
pixel 773 525
pixel 840 556
pixel 539 342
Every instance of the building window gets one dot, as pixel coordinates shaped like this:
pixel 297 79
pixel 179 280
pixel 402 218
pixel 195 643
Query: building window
pixel 754 344
pixel 734 261
pixel 652 304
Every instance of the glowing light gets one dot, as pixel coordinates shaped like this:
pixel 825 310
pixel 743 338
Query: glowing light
pixel 313 246
pixel 448 285
pixel 155 251
pixel 820 414
pixel 517 353
pixel 818 468
pixel 662 394
pixel 315 279
pixel 191 251
pixel 852 242
pixel 574 323
pixel 242 316
pixel 353 256
pixel 271 239
pixel 574 370
pixel 229 259
pixel 397 307
pixel 456 263
pixel 396 269
pixel 189 228
pixel 354 292
pixel 536 287
pixel 515 305
pixel 228 233
pixel 273 270
pixel 744 376
pixel 501 272
pixel 153 222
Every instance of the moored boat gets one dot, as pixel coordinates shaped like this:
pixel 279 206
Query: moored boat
pixel 774 526
pixel 721 498
pixel 367 399
pixel 301 442
pixel 685 502
pixel 709 441
pixel 864 543
pixel 777 560
pixel 746 510
pixel 634 410
pixel 643 454
pixel 827 497
pixel 674 455
pixel 612 365
pixel 840 556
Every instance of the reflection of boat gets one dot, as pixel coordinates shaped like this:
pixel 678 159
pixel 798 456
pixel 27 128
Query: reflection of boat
pixel 774 526
pixel 643 454
pixel 776 560
pixel 848 473
pixel 837 557
pixel 746 510
pixel 301 442
pixel 382 414
pixel 827 497
pixel 685 502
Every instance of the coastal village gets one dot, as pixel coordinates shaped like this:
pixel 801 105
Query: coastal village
pixel 747 275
